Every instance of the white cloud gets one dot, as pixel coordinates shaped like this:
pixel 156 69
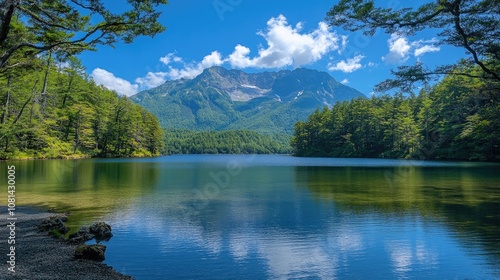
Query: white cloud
pixel 425 46
pixel 344 81
pixel 399 49
pixel 287 46
pixel 152 79
pixel 213 59
pixel 239 57
pixel 425 49
pixel 351 65
pixel 345 41
pixel 169 58
pixel 110 81
pixel 194 69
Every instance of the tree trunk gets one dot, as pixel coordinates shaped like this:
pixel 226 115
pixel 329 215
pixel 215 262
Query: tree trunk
pixel 77 132
pixel 24 105
pixel 69 88
pixel 46 81
pixel 6 111
pixel 7 8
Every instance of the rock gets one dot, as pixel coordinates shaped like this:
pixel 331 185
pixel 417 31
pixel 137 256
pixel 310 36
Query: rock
pixel 101 231
pixel 80 236
pixel 54 225
pixel 90 252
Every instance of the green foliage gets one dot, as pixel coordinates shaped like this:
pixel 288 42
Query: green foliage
pixel 70 27
pixel 225 142
pixel 471 25
pixel 67 115
pixel 458 118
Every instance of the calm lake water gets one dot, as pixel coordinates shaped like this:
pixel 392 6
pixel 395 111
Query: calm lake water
pixel 279 217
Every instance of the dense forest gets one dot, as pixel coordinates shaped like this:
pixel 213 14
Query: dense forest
pixel 225 142
pixel 49 107
pixel 51 110
pixel 459 118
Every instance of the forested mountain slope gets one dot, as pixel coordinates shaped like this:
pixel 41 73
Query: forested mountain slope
pixel 220 99
pixel 49 111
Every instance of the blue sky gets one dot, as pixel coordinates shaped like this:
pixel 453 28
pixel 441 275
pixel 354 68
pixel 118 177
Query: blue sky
pixel 260 36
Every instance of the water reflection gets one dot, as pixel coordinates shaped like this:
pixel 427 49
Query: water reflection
pixel 323 222
pixel 89 188
pixel 466 200
pixel 282 219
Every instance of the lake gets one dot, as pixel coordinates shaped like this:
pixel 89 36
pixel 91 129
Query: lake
pixel 280 217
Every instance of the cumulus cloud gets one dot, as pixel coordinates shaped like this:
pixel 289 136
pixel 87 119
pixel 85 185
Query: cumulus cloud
pixel 110 81
pixel 287 46
pixel 152 79
pixel 171 57
pixel 400 48
pixel 239 58
pixel 344 81
pixel 192 70
pixel 351 65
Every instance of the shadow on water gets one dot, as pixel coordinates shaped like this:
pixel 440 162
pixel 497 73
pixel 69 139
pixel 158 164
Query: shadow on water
pixel 467 200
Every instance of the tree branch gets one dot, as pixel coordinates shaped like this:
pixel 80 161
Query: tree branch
pixel 80 4
pixel 6 12
pixel 465 40
pixel 100 27
pixel 41 20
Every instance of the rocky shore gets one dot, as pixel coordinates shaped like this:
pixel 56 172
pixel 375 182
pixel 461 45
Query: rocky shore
pixel 41 256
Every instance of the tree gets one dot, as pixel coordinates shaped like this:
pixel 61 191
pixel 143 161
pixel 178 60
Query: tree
pixel 468 24
pixel 74 118
pixel 69 27
pixel 458 118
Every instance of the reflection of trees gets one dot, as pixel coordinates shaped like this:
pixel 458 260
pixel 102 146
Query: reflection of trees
pixel 88 188
pixel 465 199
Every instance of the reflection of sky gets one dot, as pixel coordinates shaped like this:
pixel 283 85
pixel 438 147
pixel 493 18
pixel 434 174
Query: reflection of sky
pixel 226 246
pixel 265 226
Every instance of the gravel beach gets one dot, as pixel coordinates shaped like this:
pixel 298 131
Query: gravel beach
pixel 40 256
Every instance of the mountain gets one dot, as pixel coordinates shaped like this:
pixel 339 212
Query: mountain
pixel 221 99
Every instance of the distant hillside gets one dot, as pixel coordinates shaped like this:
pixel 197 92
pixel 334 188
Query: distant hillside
pixel 225 142
pixel 220 99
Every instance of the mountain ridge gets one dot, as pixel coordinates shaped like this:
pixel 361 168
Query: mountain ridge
pixel 228 99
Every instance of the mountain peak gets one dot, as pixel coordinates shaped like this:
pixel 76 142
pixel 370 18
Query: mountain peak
pixel 219 99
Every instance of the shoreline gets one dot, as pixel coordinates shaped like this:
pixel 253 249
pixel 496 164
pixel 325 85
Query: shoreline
pixel 68 158
pixel 291 155
pixel 41 256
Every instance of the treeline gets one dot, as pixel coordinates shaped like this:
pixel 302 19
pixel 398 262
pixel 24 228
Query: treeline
pixel 225 142
pixel 459 118
pixel 53 110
